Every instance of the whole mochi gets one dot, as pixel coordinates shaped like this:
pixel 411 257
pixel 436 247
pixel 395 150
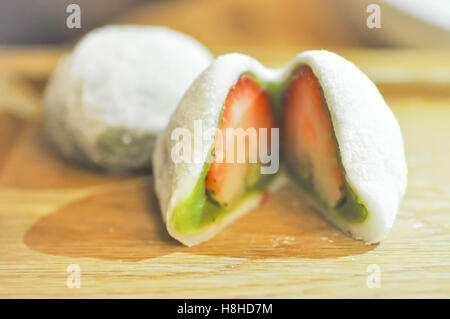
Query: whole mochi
pixel 108 99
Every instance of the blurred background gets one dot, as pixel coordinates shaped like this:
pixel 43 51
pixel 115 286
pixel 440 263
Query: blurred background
pixel 407 44
pixel 236 23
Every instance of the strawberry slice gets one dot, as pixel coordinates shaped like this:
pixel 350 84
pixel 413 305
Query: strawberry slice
pixel 247 107
pixel 309 149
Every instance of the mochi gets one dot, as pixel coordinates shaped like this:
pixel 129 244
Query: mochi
pixel 110 97
pixel 341 145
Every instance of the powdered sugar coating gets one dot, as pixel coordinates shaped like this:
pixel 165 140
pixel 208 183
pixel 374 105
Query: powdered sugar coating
pixel 367 134
pixel 128 78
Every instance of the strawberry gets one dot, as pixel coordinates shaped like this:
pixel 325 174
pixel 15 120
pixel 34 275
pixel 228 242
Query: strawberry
pixel 309 148
pixel 246 106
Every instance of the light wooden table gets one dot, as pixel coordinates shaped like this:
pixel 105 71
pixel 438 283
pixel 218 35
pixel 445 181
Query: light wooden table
pixel 54 214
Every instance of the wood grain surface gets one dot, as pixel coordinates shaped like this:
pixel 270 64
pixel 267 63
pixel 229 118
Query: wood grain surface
pixel 54 213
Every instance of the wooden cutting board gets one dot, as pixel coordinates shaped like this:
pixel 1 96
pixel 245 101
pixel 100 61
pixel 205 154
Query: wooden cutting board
pixel 54 214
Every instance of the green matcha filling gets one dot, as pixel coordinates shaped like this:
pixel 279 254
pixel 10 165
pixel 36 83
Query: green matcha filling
pixel 349 208
pixel 197 211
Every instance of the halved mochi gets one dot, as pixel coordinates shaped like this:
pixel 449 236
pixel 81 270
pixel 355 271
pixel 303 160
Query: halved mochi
pixel 364 150
pixel 341 145
pixel 200 197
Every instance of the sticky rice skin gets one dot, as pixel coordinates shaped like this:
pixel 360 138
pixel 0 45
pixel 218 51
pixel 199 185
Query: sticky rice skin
pixel 367 136
pixel 108 99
